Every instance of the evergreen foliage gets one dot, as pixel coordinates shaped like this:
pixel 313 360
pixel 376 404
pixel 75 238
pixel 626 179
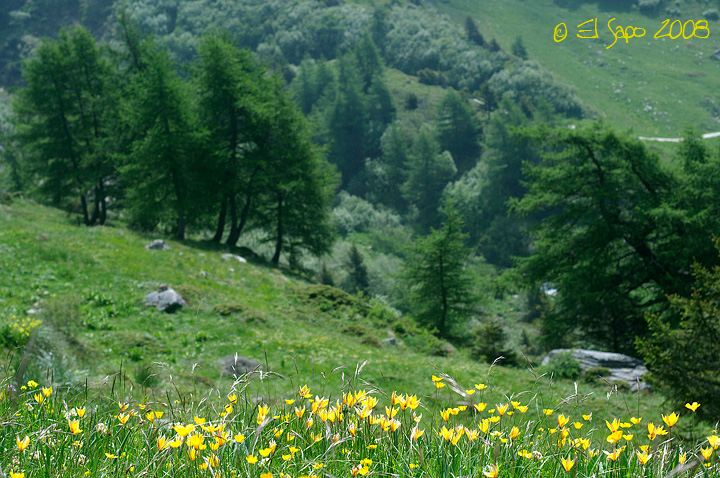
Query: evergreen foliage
pixel 518 49
pixel 472 33
pixel 429 171
pixel 232 104
pixel 458 131
pixel 683 361
pixel 620 234
pixel 223 145
pixel 346 123
pixel 66 118
pixel 164 171
pixel 357 280
pixel 439 283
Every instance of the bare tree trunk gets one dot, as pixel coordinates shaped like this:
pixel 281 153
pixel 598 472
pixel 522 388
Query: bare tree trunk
pixel 234 232
pixel 180 232
pixel 279 241
pixel 83 202
pixel 221 222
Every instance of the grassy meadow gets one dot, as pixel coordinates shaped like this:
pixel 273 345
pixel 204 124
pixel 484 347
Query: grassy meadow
pixel 657 87
pixel 96 384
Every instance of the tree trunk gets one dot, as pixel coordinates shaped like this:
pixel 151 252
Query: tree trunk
pixel 234 233
pixel 444 298
pixel 278 244
pixel 221 222
pixel 96 210
pixel 83 202
pixel 245 212
pixel 103 203
pixel 180 232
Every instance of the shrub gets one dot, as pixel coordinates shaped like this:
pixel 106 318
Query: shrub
pixel 530 81
pixel 245 313
pixel 411 102
pixel 711 14
pixel 426 76
pixel 563 365
pixel 595 374
pixel 648 6
pixel 489 342
pixel 357 330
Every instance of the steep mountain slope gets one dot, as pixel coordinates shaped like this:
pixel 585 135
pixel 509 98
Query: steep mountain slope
pixel 84 287
pixel 655 86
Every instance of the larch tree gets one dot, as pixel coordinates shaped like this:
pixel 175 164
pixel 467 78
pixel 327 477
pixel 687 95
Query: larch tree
pixel 440 290
pixel 164 169
pixel 230 87
pixel 66 118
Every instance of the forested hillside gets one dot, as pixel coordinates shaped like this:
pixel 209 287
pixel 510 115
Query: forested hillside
pixel 438 164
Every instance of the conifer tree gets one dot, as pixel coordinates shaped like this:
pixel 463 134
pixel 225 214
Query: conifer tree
pixel 346 123
pixel 429 172
pixel 472 32
pixel 298 185
pixel 67 118
pixel 232 102
pixel 165 163
pixel 357 280
pixel 439 284
pixel 458 131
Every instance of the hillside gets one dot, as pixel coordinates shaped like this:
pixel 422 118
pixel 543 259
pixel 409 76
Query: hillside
pixel 658 87
pixel 89 282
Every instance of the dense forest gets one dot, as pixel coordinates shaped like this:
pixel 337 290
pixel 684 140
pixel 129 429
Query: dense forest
pixel 383 149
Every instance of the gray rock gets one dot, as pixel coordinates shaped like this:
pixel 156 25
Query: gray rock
pixel 165 299
pixel 389 341
pixel 157 245
pixel 234 257
pixel 622 367
pixel 235 365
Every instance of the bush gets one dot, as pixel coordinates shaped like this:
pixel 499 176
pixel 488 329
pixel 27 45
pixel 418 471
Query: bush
pixel 531 82
pixel 489 342
pixel 711 14
pixel 563 365
pixel 411 102
pixel 357 330
pixel 426 76
pixel 648 6
pixel 246 313
pixel 595 374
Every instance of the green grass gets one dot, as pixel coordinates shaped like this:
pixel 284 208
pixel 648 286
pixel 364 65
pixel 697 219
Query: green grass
pixel 98 346
pixel 655 86
pixel 90 283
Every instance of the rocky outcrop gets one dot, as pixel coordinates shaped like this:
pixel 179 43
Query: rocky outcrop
pixel 622 367
pixel 165 299
pixel 236 365
pixel 157 245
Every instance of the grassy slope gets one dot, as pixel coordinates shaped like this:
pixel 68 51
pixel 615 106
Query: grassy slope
pixel 40 251
pixel 676 78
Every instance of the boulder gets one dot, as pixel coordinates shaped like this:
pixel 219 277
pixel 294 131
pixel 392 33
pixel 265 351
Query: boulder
pixel 622 367
pixel 157 245
pixel 389 341
pixel 165 299
pixel 234 258
pixel 235 365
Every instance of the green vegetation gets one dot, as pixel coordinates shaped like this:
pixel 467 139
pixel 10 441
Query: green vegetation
pixel 625 232
pixel 343 143
pixel 657 87
pixel 335 431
